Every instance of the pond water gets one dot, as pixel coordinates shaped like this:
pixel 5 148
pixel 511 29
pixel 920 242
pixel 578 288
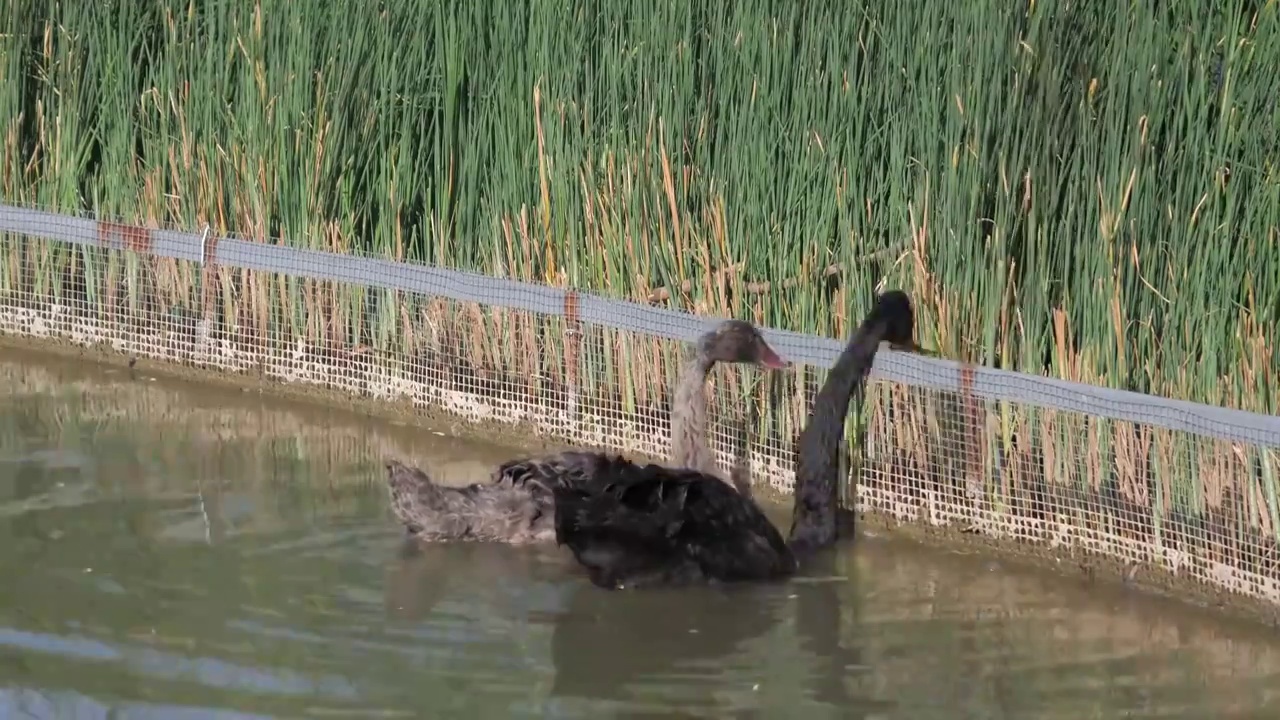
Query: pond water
pixel 171 550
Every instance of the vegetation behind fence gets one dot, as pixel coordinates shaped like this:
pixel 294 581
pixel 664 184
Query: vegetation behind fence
pixel 1085 190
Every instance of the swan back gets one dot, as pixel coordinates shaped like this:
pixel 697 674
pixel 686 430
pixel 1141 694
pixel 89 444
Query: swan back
pixel 478 512
pixel 652 525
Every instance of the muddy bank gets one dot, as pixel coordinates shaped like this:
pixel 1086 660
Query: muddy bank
pixel 303 396
pixel 1090 567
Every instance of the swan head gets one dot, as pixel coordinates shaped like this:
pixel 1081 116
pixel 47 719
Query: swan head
pixel 893 310
pixel 737 341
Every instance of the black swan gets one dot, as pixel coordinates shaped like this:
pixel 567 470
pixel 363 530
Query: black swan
pixel 516 505
pixel 647 525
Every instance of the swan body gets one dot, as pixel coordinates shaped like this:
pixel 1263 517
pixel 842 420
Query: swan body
pixel 517 505
pixel 651 525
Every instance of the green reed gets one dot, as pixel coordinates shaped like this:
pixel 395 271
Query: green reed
pixel 1088 192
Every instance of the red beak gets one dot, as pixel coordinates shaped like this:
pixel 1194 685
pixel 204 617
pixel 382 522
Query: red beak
pixel 770 359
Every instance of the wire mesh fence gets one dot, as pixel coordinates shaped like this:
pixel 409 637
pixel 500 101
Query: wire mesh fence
pixel 1138 478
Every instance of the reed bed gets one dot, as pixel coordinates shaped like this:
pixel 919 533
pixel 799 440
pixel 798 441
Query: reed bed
pixel 1087 192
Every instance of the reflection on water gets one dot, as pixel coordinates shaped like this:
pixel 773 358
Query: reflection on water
pixel 171 551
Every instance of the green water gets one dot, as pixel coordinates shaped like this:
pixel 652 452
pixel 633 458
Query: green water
pixel 175 551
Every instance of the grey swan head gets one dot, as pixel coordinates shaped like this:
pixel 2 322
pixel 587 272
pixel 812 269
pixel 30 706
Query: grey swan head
pixel 652 525
pixel 517 504
pixel 733 342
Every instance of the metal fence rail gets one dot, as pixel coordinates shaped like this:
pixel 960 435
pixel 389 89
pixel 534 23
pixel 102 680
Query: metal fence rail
pixel 1136 477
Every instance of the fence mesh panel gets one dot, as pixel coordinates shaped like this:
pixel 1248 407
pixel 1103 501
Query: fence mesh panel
pixel 1138 478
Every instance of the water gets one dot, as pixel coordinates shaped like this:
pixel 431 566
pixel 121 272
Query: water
pixel 172 551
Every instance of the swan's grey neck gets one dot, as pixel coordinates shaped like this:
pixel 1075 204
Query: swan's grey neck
pixel 813 519
pixel 689 447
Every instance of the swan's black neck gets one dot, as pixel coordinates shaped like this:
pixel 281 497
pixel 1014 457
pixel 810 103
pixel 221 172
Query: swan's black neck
pixel 813 518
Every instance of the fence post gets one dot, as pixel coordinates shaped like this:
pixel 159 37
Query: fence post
pixel 208 286
pixel 572 351
pixel 973 435
pixel 126 239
